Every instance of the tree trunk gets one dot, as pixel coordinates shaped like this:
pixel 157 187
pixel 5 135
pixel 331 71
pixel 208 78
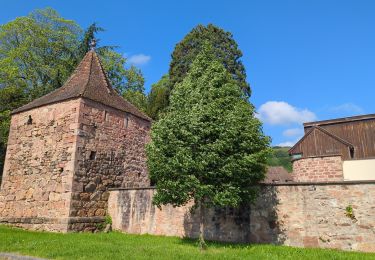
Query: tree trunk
pixel 202 243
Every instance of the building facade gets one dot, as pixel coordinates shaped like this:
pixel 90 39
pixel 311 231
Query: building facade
pixel 334 150
pixel 67 148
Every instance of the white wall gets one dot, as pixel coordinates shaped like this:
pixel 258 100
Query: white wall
pixel 359 170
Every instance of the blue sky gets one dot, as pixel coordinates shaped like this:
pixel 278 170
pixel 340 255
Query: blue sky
pixel 305 60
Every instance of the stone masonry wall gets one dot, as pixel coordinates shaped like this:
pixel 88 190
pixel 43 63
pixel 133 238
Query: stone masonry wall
pixel 132 212
pixel 318 169
pixel 111 153
pixel 294 214
pixel 36 186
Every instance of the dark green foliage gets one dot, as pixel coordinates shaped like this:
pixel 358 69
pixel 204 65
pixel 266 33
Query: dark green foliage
pixel 88 37
pixel 137 98
pixel 158 98
pixel 280 157
pixel 208 147
pixel 224 48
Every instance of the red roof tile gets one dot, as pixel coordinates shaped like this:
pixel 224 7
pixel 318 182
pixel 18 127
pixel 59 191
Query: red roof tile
pixel 89 81
pixel 277 174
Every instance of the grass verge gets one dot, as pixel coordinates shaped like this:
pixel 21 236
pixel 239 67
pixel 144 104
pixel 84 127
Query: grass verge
pixel 125 246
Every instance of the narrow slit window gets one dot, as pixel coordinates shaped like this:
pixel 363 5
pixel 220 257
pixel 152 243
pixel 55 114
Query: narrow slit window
pixel 29 120
pixel 126 121
pixel 351 152
pixel 92 155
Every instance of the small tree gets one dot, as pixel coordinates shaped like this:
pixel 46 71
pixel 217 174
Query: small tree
pixel 208 147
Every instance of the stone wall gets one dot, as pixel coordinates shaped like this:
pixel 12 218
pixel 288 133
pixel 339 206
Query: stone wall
pixel 132 212
pixel 110 153
pixel 318 169
pixel 295 214
pixel 39 166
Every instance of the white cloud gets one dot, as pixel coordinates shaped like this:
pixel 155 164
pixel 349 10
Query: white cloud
pixel 286 144
pixel 292 132
pixel 139 59
pixel 282 113
pixel 347 108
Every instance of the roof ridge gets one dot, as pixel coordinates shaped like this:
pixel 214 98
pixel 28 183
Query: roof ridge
pixel 340 120
pixel 300 140
pixel 108 83
pixel 334 136
pixel 88 80
pixel 325 131
pixel 89 76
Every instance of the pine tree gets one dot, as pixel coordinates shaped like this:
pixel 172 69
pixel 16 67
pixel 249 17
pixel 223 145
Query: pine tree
pixel 158 98
pixel 224 48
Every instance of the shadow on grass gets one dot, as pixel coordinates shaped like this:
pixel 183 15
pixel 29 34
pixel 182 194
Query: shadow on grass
pixel 215 244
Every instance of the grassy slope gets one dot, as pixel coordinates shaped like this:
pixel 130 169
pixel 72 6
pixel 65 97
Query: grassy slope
pixel 123 246
pixel 280 157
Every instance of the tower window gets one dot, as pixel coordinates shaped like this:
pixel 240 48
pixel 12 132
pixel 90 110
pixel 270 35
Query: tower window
pixel 92 155
pixel 126 121
pixel 29 120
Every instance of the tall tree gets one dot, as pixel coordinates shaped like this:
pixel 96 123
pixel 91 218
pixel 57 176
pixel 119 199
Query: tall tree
pixel 224 48
pixel 158 98
pixel 38 52
pixel 209 147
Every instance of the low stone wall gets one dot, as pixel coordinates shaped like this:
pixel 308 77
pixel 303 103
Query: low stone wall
pixel 132 211
pixel 318 169
pixel 294 214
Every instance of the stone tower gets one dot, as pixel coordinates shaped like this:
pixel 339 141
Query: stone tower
pixel 67 148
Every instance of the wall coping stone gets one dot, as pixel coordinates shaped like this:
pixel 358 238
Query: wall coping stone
pixel 317 156
pixel 291 183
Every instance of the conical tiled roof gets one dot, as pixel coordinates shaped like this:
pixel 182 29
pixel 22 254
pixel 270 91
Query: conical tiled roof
pixel 89 81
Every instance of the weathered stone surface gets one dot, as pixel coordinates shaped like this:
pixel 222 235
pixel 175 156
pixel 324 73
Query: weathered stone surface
pixel 62 164
pixel 318 169
pixel 110 153
pixel 296 215
pixel 39 163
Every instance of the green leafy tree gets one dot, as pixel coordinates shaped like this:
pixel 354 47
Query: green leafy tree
pixel 37 52
pixel 209 148
pixel 137 98
pixel 158 98
pixel 134 90
pixel 280 157
pixel 224 48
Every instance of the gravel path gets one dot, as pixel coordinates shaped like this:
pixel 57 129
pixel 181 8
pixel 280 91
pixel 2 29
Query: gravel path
pixel 10 256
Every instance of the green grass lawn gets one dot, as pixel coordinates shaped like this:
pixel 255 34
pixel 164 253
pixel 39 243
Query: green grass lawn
pixel 124 246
